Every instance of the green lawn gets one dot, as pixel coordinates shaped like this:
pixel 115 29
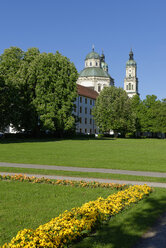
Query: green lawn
pixel 27 205
pixel 128 154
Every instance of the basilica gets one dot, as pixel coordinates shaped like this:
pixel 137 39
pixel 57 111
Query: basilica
pixel 92 79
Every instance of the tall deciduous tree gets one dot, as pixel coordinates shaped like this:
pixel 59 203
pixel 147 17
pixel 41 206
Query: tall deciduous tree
pixel 54 78
pixel 113 111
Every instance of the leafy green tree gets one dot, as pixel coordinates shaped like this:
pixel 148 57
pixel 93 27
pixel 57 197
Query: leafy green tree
pixel 10 62
pixel 161 117
pixel 113 111
pixel 54 78
pixel 149 113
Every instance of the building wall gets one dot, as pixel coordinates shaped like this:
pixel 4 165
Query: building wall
pixel 83 110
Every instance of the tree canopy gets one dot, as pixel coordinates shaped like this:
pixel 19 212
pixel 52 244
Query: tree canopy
pixel 37 90
pixel 112 111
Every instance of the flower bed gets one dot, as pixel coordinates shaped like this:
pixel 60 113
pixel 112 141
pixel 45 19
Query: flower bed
pixel 24 178
pixel 69 226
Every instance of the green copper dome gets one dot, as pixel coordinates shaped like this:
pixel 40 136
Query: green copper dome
pixel 94 72
pixel 92 55
pixel 131 61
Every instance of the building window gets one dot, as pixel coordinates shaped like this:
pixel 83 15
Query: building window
pixel 85 110
pixel 90 121
pixel 90 111
pixel 132 87
pixel 99 88
pixel 85 100
pixel 80 109
pixel 90 63
pixel 129 75
pixel 85 130
pixel 85 120
pixel 90 101
pixel 80 120
pixel 80 98
pixel 96 64
pixel 127 87
pixel 80 130
pixel 90 131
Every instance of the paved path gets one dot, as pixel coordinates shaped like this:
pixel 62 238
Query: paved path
pixel 80 169
pixel 155 237
pixel 151 184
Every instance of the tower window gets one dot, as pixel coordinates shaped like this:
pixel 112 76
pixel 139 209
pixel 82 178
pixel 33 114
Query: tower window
pixel 90 63
pixel 132 87
pixel 129 75
pixel 99 88
pixel 96 64
pixel 129 86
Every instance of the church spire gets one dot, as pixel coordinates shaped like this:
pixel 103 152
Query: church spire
pixel 131 55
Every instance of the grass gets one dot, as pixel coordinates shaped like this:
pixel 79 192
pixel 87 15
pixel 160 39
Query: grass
pixel 83 174
pixel 27 205
pixel 128 154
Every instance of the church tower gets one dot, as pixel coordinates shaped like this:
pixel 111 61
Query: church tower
pixel 131 80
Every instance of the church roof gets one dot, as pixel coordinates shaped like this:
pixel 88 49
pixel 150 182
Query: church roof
pixel 86 91
pixel 94 72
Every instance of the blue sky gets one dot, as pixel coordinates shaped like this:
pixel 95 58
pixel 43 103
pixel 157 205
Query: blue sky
pixel 73 26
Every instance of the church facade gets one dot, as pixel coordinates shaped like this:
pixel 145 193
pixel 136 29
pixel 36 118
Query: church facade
pixel 92 79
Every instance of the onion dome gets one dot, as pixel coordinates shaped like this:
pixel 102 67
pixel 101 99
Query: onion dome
pixel 131 61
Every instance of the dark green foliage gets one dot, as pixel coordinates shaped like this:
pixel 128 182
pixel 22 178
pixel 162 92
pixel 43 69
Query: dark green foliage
pixel 112 111
pixel 37 91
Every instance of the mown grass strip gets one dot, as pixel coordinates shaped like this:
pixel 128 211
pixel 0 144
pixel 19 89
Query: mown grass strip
pixel 83 174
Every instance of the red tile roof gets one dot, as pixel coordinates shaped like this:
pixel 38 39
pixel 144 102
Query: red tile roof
pixel 86 91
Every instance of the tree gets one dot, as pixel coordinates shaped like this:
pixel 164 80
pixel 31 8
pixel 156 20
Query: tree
pixel 149 113
pixel 136 106
pixel 112 111
pixel 37 91
pixel 53 77
pixel 10 62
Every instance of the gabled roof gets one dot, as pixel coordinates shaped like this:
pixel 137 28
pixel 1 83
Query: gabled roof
pixel 86 91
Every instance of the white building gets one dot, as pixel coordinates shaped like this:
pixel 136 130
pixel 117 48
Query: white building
pixel 83 110
pixel 131 80
pixel 92 79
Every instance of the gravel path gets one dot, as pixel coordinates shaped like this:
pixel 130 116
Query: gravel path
pixel 80 169
pixel 152 184
pixel 155 237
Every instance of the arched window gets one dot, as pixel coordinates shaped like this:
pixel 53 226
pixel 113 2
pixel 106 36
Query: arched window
pixel 129 86
pixel 132 87
pixel 99 88
pixel 90 63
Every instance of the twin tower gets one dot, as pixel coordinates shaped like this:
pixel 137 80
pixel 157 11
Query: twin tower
pixel 95 74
